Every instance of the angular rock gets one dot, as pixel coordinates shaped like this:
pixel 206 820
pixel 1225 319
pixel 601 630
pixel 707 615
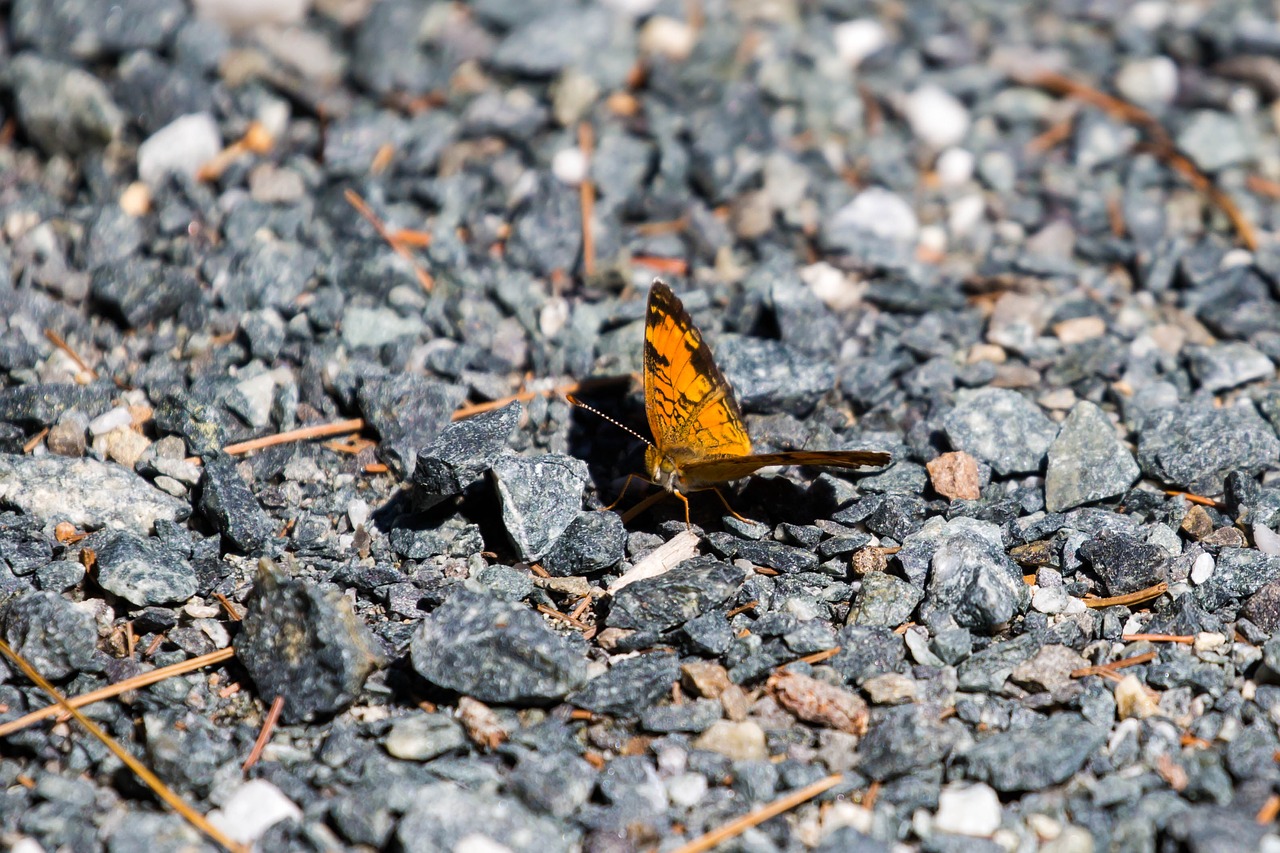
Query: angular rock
pixel 88 493
pixel 541 496
pixel 444 816
pixel 1002 428
pixel 1194 446
pixel 971 577
pixel 1238 574
pixel 495 651
pixel 144 571
pixel 1087 461
pixel 1048 752
pixel 904 739
pixel 593 542
pixel 629 686
pixel 1123 563
pixel 306 644
pixel 1227 365
pixel 63 109
pixel 884 601
pixel 228 503
pixel 690 589
pixel 770 376
pixel 41 404
pixel 409 412
pixel 51 633
pixel 462 452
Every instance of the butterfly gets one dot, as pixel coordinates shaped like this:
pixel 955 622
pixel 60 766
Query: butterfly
pixel 699 438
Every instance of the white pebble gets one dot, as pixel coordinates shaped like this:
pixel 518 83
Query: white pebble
pixel 968 810
pixel 1149 81
pixel 955 166
pixel 569 165
pixel 110 420
pixel 477 843
pixel 837 290
pixel 856 40
pixel 1050 599
pixel 936 116
pixel 242 14
pixel 878 211
pixel 687 789
pixel 1202 569
pixel 255 807
pixel 1268 542
pixel 181 147
pixel 965 214
pixel 358 512
pixel 667 37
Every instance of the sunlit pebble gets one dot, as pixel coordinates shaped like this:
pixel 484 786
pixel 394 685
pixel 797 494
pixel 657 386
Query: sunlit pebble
pixel 954 167
pixel 1153 80
pixel 964 214
pixel 1267 540
pixel 569 166
pixel 667 37
pixel 1148 14
pixel 136 199
pixel 936 116
pixel 933 238
pixel 856 40
pixel 835 288
pixel 1202 568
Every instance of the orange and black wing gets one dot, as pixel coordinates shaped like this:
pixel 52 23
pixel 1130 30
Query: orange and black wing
pixel 711 471
pixel 688 401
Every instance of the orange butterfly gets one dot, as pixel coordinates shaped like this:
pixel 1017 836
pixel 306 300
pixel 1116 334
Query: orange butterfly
pixel 699 439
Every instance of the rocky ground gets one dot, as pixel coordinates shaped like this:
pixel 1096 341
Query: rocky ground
pixel 925 228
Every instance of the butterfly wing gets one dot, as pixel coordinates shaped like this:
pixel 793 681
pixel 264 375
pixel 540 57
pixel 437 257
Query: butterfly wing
pixel 687 400
pixel 708 472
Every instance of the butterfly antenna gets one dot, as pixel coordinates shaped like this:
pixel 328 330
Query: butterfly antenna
pixel 575 401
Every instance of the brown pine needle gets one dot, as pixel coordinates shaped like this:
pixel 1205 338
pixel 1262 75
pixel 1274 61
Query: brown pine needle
pixel 264 736
pixel 113 690
pixel 742 608
pixel 564 617
pixel 736 827
pixel 424 277
pixel 34 441
pixel 1104 669
pixel 1270 809
pixel 152 781
pixel 1192 498
pixel 1185 639
pixel 472 409
pixel 587 199
pixel 1264 187
pixel 57 341
pixel 300 434
pixel 819 657
pixel 669 266
pixel 1131 598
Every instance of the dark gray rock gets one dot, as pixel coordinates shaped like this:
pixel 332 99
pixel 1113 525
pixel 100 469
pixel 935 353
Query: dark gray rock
pixel 904 739
pixel 1263 607
pixel 541 497
pixel 196 422
pixel 144 571
pixel 690 717
pixel 971 578
pixel 495 651
pixel 1047 752
pixel 51 633
pixel 462 452
pixel 593 542
pixel 88 493
pixel 409 412
pixel 1237 574
pixel 61 108
pixel 1123 563
pixel 546 233
pixel 690 589
pixel 554 784
pixel 69 27
pixel 986 671
pixel 306 644
pixel 866 652
pixel 1194 446
pixel 1000 427
pixel 1087 461
pixel 41 404
pixel 228 504
pixel 442 814
pixel 141 291
pixel 1227 365
pixel 629 686
pixel 60 575
pixel 884 601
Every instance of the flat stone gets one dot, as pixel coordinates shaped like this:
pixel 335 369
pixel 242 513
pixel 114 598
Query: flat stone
pixel 1087 461
pixel 1002 428
pixel 144 571
pixel 1048 752
pixel 1194 446
pixel 84 492
pixel 541 496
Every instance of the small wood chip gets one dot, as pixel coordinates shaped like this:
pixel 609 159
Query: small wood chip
pixel 818 702
pixel 955 476
pixel 482 724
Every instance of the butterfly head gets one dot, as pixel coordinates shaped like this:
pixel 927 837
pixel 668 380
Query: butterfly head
pixel 663 470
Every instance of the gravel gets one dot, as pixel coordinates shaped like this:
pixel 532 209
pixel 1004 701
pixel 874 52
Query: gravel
pixel 894 234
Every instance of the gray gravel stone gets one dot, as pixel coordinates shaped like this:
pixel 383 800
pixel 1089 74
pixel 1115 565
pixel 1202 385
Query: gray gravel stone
pixel 593 542
pixel 629 686
pixel 1227 365
pixel 971 578
pixel 884 601
pixel 1087 461
pixel 1194 446
pixel 1238 574
pixel 306 644
pixel 462 452
pixel 144 571
pixel 51 633
pixel 495 651
pixel 904 739
pixel 443 816
pixel 228 503
pixel 409 412
pixel 541 497
pixel 1000 427
pixel 769 376
pixel 1047 752
pixel 88 493
pixel 423 737
pixel 63 109
pixel 690 589
pixel 1123 564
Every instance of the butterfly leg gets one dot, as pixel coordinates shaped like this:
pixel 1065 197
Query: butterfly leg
pixel 731 511
pixel 688 525
pixel 626 485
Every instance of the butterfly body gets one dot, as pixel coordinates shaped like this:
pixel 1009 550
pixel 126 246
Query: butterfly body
pixel 699 437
